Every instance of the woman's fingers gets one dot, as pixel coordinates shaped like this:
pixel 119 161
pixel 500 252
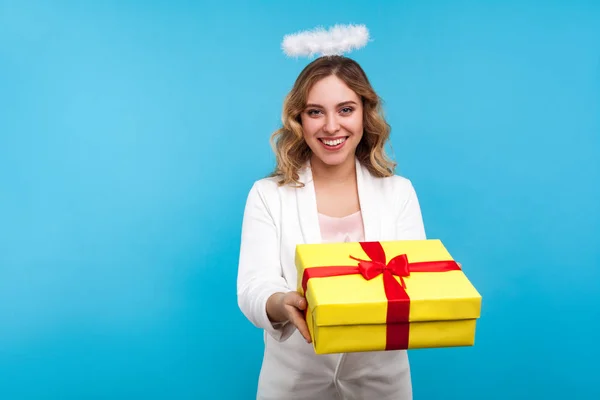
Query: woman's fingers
pixel 297 318
pixel 294 299
pixel 295 304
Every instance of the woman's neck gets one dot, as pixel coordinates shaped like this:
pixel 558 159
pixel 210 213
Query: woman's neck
pixel 337 174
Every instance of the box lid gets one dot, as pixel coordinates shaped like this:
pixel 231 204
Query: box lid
pixel 351 299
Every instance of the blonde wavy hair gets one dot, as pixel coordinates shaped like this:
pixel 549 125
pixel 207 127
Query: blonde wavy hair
pixel 292 152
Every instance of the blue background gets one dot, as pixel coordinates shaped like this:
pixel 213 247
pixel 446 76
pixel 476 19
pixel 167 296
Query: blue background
pixel 131 132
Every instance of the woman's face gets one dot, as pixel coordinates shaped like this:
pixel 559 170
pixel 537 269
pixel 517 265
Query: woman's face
pixel 332 122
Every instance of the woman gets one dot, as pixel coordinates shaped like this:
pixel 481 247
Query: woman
pixel 333 182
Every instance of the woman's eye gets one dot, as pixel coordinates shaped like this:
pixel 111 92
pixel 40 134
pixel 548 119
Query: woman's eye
pixel 312 112
pixel 347 110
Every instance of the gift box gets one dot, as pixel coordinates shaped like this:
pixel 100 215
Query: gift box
pixel 377 296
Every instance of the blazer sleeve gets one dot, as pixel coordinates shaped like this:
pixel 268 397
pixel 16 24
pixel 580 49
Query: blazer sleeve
pixel 259 271
pixel 409 225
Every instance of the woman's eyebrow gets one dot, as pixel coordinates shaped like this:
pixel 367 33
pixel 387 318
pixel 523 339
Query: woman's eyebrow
pixel 343 103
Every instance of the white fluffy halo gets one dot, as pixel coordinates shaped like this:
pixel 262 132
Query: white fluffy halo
pixel 338 40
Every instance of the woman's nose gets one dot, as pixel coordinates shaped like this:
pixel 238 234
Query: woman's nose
pixel 331 124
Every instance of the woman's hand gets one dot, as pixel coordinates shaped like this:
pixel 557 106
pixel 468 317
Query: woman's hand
pixel 290 306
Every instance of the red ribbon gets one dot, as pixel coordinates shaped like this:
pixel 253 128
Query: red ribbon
pixel 398 311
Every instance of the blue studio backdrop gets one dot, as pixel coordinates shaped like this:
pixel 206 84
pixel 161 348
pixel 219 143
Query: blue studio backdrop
pixel 131 132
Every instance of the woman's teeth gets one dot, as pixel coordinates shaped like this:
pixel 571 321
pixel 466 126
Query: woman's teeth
pixel 334 142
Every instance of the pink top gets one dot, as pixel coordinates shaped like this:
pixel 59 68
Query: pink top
pixel 345 229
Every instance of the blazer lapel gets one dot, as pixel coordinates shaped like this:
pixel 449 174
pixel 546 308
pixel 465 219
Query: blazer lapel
pixel 307 207
pixel 370 207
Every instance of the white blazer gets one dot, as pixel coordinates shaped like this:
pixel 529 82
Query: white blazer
pixel 276 219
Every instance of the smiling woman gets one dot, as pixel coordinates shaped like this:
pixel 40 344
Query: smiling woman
pixel 332 182
pixel 331 115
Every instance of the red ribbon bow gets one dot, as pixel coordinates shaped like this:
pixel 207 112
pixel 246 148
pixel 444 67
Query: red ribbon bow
pixel 398 310
pixel 397 266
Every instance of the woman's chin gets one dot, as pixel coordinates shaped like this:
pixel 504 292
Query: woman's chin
pixel 333 160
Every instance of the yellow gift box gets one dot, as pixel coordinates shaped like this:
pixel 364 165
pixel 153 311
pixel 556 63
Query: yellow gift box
pixel 374 296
